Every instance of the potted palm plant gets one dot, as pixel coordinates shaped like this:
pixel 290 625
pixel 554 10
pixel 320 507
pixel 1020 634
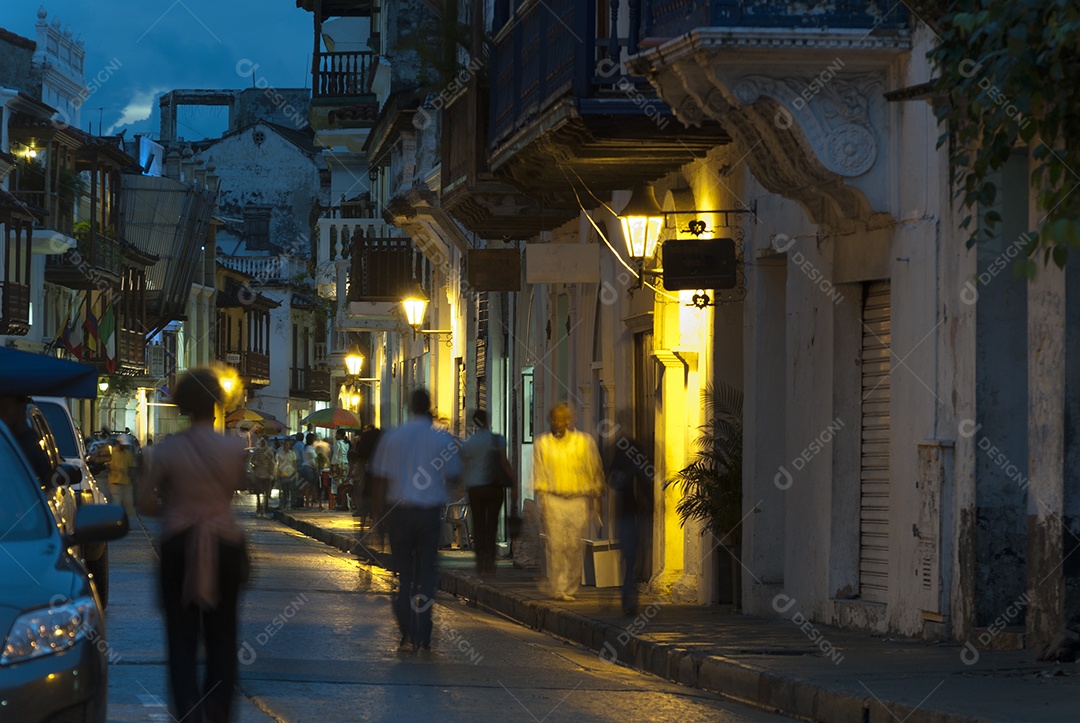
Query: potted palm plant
pixel 712 481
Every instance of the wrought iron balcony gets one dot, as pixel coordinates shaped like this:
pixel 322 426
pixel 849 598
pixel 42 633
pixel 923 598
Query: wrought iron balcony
pixel 310 384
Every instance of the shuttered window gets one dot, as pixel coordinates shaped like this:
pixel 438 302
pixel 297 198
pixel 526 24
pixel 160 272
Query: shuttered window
pixel 875 427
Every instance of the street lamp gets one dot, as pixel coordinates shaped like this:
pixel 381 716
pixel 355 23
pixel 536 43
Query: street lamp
pixel 103 384
pixel 642 220
pixel 415 304
pixel 354 361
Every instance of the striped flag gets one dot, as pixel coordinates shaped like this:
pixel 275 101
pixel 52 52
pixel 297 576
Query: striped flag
pixel 107 335
pixel 73 333
pixel 92 339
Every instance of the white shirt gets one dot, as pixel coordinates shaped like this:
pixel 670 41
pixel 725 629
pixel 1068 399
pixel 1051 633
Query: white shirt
pixel 418 461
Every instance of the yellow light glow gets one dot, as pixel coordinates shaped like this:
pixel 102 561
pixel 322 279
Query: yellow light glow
pixel 642 220
pixel 354 400
pixel 31 153
pixel 354 362
pixel 415 304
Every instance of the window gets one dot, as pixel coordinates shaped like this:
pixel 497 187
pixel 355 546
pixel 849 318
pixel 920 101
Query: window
pixel 257 227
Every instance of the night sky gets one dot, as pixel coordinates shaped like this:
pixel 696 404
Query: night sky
pixel 140 50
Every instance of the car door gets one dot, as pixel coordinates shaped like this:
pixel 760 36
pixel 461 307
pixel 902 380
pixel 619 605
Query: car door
pixel 62 499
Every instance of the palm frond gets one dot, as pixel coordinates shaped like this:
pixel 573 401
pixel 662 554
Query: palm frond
pixel 712 481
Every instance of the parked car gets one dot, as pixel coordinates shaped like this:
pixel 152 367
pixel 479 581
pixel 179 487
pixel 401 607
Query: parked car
pixel 53 665
pixel 60 439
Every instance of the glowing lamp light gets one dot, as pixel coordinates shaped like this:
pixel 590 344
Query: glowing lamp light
pixel 415 303
pixel 354 400
pixel 642 220
pixel 227 384
pixel 103 385
pixel 354 361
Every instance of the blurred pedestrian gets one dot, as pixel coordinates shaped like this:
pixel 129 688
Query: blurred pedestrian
pixel 485 469
pixel 373 494
pixel 203 552
pixel 263 463
pixel 339 468
pixel 568 480
pixel 419 463
pixel 309 472
pixel 631 479
pixel 286 475
pixel 120 465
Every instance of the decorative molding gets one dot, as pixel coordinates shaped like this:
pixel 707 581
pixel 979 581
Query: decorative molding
pixel 810 119
pixel 639 322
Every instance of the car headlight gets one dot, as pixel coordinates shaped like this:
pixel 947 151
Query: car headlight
pixel 49 630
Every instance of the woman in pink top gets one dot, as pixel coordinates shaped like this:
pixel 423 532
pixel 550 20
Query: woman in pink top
pixel 203 552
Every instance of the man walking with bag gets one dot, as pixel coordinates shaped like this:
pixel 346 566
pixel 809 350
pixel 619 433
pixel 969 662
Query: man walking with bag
pixel 487 476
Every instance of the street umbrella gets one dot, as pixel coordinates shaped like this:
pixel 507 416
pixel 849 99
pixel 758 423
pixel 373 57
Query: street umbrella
pixel 270 426
pixel 28 374
pixel 332 418
pixel 244 415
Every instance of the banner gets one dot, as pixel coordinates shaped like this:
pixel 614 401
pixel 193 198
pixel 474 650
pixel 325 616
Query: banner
pixel 107 332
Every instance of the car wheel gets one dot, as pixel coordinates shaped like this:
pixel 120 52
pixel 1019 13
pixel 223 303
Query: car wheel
pixel 99 568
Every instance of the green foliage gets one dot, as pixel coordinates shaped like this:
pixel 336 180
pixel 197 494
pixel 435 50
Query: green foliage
pixel 1007 68
pixel 712 482
pixel 119 386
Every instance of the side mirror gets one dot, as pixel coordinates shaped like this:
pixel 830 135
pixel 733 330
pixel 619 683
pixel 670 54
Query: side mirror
pixel 66 474
pixel 98 523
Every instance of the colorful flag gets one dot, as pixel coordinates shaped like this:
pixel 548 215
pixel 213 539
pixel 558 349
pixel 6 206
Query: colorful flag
pixel 92 339
pixel 73 334
pixel 107 335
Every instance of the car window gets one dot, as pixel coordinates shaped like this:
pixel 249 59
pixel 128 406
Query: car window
pixel 61 429
pixel 23 516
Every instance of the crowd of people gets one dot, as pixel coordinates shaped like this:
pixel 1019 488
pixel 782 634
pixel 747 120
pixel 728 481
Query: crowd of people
pixel 402 479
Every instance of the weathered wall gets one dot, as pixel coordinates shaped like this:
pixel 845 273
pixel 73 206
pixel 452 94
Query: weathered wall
pixel 1001 443
pixel 274 173
pixel 15 69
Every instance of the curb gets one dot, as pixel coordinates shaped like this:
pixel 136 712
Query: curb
pixel 760 688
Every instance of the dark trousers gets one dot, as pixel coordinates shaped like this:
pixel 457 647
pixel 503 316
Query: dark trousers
pixel 485 502
pixel 218 628
pixel 628 546
pixel 414 547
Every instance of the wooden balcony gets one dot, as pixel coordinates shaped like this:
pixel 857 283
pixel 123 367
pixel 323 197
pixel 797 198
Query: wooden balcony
pixel 58 216
pixel 14 308
pixel 253 367
pixel 341 95
pixel 675 17
pixel 130 354
pixel 557 84
pixel 380 269
pixel 310 384
pixel 484 202
pixel 96 259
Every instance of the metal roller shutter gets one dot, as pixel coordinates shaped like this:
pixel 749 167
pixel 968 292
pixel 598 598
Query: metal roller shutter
pixel 874 467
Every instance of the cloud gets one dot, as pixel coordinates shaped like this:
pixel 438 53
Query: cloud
pixel 138 109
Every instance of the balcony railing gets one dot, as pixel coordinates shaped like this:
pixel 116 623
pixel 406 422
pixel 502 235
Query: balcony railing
pixel 310 383
pixel 266 269
pixel 675 17
pixel 90 259
pixel 130 353
pixel 380 268
pixel 343 74
pixel 59 218
pixel 252 366
pixel 14 308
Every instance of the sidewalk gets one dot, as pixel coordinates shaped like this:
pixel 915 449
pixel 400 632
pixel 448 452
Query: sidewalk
pixel 807 671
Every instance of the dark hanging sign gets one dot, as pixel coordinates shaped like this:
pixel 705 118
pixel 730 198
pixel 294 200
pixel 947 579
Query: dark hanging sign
pixel 494 269
pixel 699 264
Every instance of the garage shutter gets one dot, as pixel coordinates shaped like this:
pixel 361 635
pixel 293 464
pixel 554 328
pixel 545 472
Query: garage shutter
pixel 874 467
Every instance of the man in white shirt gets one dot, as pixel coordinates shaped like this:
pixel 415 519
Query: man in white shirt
pixel 419 463
pixel 568 479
